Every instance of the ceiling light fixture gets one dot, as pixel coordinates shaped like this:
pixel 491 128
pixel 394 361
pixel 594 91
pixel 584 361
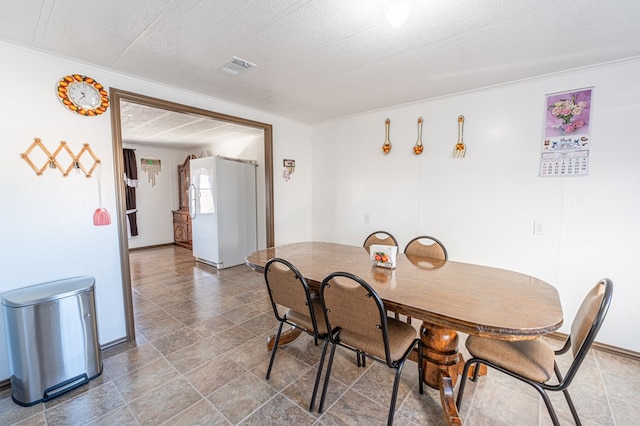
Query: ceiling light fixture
pixel 396 11
pixel 236 66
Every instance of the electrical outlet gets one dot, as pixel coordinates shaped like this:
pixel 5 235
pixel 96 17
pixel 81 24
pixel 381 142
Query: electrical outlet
pixel 366 218
pixel 538 227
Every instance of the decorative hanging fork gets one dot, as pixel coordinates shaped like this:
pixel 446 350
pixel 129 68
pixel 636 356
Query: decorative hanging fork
pixel 460 148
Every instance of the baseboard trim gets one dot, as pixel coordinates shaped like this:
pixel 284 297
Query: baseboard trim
pixel 614 350
pixel 114 343
pixel 5 384
pixel 151 247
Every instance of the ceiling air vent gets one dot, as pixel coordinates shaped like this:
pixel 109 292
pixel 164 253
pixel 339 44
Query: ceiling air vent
pixel 236 66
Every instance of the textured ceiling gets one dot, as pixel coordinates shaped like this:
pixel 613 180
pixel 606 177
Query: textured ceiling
pixel 144 125
pixel 323 59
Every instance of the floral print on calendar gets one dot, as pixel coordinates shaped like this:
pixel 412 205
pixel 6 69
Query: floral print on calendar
pixel 568 113
pixel 567 139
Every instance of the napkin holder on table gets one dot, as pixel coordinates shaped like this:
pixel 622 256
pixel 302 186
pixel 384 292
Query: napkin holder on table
pixel 384 256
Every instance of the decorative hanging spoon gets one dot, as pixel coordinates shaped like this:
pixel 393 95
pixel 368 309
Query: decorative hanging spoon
pixel 386 147
pixel 417 148
pixel 460 148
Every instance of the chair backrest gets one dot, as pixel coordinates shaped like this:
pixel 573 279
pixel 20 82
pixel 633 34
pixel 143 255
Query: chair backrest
pixel 350 303
pixel 380 237
pixel 585 327
pixel 287 287
pixel 590 316
pixel 425 246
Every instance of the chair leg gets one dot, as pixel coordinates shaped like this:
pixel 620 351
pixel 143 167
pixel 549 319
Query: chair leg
pixel 540 389
pixel 320 365
pixel 463 381
pixel 420 368
pixel 475 372
pixel 574 413
pixel 326 378
pixel 394 395
pixel 572 407
pixel 547 403
pixel 275 348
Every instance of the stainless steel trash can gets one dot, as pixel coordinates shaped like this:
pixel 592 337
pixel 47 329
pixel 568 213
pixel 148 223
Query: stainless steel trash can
pixel 52 337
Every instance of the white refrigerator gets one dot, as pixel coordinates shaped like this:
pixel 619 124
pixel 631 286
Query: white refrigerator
pixel 222 205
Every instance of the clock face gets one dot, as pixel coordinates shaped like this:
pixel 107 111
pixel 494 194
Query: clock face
pixel 83 95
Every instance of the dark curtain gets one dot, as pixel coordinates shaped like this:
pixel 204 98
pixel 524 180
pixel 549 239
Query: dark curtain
pixel 131 182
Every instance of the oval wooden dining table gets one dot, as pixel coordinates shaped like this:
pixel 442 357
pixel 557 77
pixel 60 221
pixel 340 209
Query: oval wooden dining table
pixel 449 297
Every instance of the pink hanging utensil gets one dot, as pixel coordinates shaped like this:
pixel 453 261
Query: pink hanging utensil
pixel 101 216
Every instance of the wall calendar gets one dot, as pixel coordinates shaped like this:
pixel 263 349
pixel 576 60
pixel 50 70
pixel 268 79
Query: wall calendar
pixel 567 134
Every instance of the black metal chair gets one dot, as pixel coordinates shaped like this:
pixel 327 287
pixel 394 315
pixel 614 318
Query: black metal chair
pixel 380 237
pixel 289 289
pixel 534 362
pixel 355 311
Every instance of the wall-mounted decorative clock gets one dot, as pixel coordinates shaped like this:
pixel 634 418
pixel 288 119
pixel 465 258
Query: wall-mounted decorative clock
pixel 83 95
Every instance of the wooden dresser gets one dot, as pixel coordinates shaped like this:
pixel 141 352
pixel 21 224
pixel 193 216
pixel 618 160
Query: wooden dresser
pixel 181 218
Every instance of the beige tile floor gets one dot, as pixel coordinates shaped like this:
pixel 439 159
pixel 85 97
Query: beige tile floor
pixel 200 359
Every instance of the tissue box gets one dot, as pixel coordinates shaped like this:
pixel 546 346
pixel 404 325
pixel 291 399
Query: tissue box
pixel 384 256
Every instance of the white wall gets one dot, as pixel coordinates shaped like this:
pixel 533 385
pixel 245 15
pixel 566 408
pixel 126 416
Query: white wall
pixel 155 203
pixel 154 227
pixel 293 197
pixel 46 221
pixel 483 206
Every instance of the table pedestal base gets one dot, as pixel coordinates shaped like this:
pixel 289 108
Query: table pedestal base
pixel 440 348
pixel 442 364
pixel 286 337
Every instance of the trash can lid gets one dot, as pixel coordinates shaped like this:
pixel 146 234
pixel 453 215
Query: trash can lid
pixel 49 291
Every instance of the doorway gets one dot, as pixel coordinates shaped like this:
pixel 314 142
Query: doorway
pixel 118 96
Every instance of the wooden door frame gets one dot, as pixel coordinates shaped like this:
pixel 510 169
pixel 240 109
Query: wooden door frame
pixel 117 96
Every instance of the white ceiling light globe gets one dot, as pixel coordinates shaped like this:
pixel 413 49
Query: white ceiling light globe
pixel 396 11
